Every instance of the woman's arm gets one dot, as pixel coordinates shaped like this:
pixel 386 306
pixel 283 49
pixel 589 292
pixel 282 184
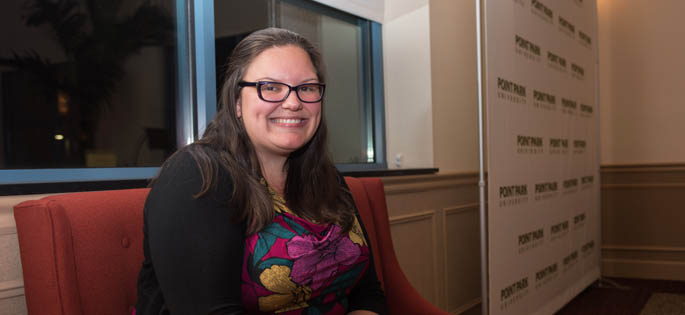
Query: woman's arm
pixel 195 247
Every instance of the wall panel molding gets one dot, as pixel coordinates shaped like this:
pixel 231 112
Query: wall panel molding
pixel 418 216
pixel 446 212
pixel 641 168
pixel 643 186
pixel 461 208
pixel 466 307
pixel 641 217
pixel 426 215
pixel 447 200
pixel 420 183
pixel 11 288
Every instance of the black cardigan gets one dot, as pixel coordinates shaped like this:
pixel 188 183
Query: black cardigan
pixel 194 248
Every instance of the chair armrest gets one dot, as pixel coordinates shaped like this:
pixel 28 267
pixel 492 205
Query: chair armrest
pixel 402 297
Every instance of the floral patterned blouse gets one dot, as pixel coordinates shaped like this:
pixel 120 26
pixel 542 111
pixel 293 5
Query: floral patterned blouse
pixel 294 266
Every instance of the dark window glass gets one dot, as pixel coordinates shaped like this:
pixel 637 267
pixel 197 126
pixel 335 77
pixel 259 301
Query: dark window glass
pixel 87 83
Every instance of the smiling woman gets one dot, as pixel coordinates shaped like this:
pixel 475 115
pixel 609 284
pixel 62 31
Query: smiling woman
pixel 254 217
pixel 351 48
pixel 277 128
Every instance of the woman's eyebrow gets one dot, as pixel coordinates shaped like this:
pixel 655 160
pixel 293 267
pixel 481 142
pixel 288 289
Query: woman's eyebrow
pixel 275 80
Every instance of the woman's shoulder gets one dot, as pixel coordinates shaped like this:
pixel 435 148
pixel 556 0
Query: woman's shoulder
pixel 183 173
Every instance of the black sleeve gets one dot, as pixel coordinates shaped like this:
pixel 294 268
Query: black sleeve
pixel 195 245
pixel 367 293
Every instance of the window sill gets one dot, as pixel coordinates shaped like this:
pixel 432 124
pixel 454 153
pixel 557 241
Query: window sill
pixel 390 172
pixel 66 187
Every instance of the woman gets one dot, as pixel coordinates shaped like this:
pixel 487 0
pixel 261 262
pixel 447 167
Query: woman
pixel 253 217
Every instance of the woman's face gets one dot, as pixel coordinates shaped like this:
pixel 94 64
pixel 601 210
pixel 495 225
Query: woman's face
pixel 277 129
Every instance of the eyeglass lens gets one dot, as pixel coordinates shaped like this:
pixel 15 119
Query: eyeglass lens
pixel 276 92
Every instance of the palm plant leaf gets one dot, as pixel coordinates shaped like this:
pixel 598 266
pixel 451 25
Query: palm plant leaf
pixel 64 18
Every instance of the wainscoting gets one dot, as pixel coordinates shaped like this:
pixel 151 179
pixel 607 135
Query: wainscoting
pixel 434 223
pixel 435 230
pixel 643 221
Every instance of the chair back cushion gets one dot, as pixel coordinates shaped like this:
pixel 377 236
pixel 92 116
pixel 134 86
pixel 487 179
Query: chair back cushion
pixel 81 252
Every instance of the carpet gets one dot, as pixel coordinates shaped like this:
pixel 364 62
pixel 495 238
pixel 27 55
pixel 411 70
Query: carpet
pixel 664 304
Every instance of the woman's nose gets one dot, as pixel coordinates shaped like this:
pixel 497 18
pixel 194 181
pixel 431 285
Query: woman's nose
pixel 292 102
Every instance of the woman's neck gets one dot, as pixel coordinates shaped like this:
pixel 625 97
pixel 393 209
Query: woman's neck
pixel 274 173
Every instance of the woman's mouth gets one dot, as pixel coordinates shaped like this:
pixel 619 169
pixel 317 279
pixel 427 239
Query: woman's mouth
pixel 288 121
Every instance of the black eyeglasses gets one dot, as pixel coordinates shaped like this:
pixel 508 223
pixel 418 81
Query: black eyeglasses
pixel 275 92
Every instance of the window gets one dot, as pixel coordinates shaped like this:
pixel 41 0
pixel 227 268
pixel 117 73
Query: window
pixel 109 91
pixel 84 89
pixel 353 104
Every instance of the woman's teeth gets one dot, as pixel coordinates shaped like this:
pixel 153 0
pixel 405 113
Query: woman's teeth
pixel 287 121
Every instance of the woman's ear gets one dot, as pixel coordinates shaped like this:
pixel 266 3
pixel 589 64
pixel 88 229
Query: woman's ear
pixel 238 109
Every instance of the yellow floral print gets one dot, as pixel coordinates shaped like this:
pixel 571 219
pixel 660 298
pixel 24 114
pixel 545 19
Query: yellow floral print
pixel 289 296
pixel 356 234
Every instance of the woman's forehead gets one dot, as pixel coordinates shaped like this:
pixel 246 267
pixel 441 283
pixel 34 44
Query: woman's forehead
pixel 282 62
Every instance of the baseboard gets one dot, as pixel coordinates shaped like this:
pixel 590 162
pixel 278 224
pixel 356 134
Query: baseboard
pixel 644 269
pixel 462 309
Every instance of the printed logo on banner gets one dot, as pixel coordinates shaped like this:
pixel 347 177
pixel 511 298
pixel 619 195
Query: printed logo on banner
pixel 587 181
pixel 558 146
pixel 587 248
pixel 530 240
pixel 529 145
pixel 579 221
pixel 585 110
pixel 568 106
pixel 577 71
pixel 558 230
pixel 579 146
pixel 570 186
pixel 556 62
pixel 541 10
pixel 513 293
pixel 545 275
pixel 584 39
pixel 510 91
pixel 526 48
pixel 546 190
pixel 567 27
pixel 513 195
pixel 544 100
pixel 570 260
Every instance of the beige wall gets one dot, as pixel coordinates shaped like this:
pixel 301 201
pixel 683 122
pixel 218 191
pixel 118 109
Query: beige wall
pixel 407 76
pixel 641 123
pixel 641 64
pixel 454 85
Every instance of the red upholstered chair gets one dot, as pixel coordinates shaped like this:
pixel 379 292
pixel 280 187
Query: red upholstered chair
pixel 81 252
pixel 369 195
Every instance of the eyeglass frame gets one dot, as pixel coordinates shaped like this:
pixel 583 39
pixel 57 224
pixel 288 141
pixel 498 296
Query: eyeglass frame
pixel 258 85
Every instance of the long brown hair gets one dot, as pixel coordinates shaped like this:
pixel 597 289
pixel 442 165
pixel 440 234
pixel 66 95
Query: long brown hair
pixel 312 188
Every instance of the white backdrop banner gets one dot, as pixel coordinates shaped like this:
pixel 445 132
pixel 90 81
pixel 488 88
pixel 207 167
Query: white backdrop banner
pixel 543 152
